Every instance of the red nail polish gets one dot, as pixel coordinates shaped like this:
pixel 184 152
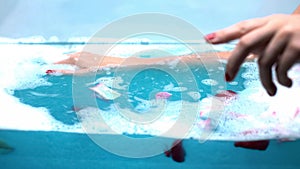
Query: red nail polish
pixel 227 77
pixel 210 36
pixel 50 71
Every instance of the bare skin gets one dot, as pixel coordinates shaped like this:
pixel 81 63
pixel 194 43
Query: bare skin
pixel 89 62
pixel 274 39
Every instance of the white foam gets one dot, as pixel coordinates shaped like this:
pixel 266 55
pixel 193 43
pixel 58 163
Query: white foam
pixel 259 114
pixel 194 95
pixel 209 82
pixel 234 83
pixel 15 115
pixel 121 120
pixel 23 67
pixel 171 87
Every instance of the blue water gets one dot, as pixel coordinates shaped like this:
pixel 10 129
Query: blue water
pixel 60 150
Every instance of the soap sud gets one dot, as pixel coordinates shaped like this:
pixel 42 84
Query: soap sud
pixel 172 64
pixel 24 67
pixel 209 82
pixel 255 113
pixel 25 117
pixel 112 82
pixel 170 87
pixel 221 87
pixel 119 123
pixel 143 105
pixel 194 95
pixel 251 74
pixel 234 83
pixel 221 68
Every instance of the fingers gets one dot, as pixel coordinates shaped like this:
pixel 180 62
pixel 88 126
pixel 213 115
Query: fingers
pixel 59 71
pixel 265 72
pixel 50 71
pixel 272 54
pixel 275 39
pixel 236 31
pixel 245 46
pixel 286 61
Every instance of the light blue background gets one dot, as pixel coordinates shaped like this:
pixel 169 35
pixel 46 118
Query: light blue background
pixel 73 18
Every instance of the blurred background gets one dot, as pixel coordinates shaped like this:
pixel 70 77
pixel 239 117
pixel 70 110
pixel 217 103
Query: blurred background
pixel 59 20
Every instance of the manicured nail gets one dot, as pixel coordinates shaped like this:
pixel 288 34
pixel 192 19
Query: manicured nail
pixel 272 92
pixel 210 36
pixel 290 83
pixel 50 71
pixel 227 77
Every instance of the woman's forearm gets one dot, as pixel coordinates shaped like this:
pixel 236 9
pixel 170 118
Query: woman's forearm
pixel 190 58
pixel 89 62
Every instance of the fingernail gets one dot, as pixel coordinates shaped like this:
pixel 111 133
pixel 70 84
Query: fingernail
pixel 271 92
pixel 50 71
pixel 290 83
pixel 210 36
pixel 227 77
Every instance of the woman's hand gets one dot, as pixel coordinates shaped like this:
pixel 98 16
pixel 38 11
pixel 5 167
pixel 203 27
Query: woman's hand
pixel 274 39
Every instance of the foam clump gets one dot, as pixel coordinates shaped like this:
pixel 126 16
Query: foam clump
pixel 253 114
pixel 23 67
pixel 32 39
pixel 209 82
pixel 172 87
pixel 25 117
